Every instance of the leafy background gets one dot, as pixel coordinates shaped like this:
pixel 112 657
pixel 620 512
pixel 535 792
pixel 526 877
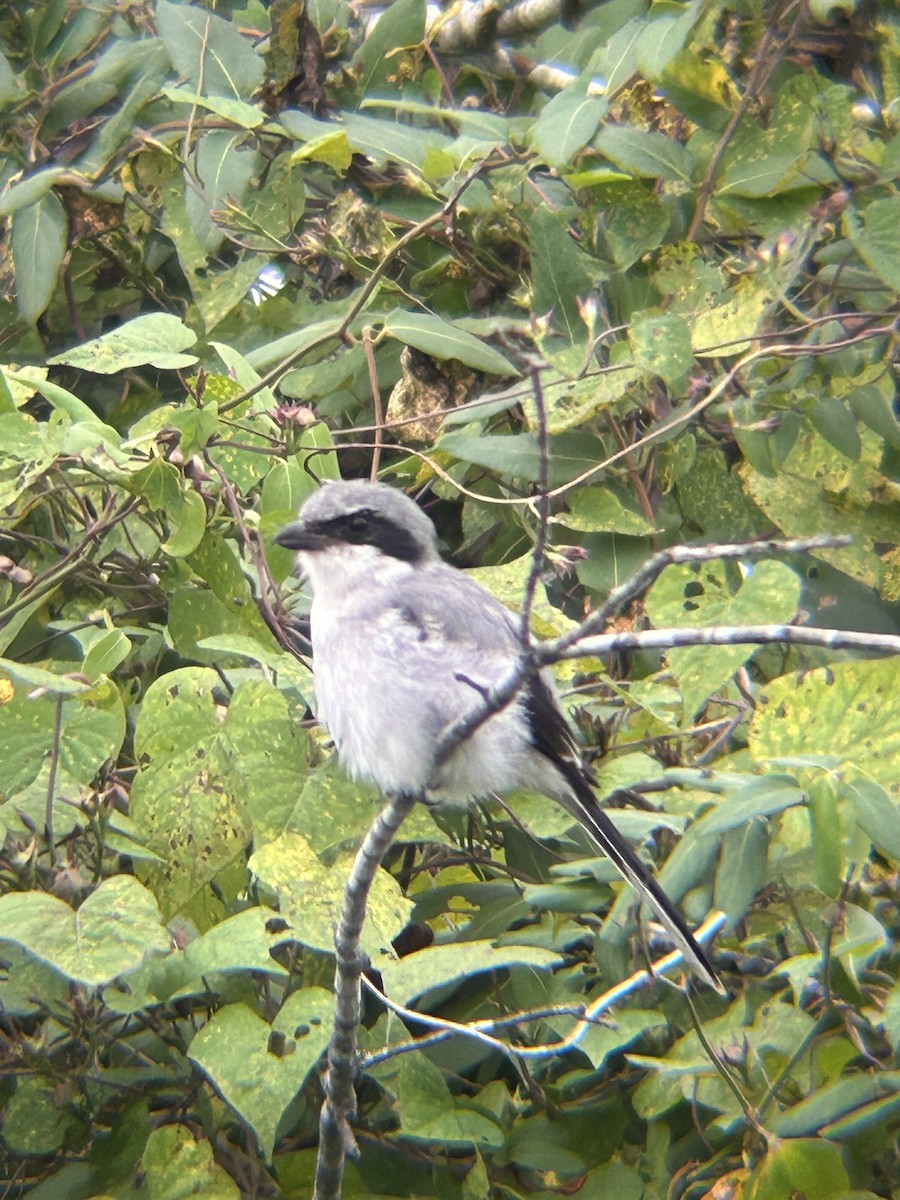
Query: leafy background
pixel 246 248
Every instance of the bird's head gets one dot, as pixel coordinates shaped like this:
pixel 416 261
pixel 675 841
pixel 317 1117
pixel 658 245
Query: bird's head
pixel 349 529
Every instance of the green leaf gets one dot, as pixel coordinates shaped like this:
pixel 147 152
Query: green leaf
pixel 259 1068
pixel 560 274
pixel 443 966
pixel 151 340
pixel 221 171
pixel 832 418
pixel 39 235
pixel 810 1167
pixel 37 1119
pixel 705 595
pixel 820 491
pixel 566 124
pixel 442 339
pixel 646 153
pixel 825 828
pixel 662 346
pixel 837 708
pixel 577 400
pixel 180 1165
pixel 248 116
pixel 401 24
pixel 91 727
pixel 332 149
pixel 36 677
pixel 758 798
pixel 31 189
pixel 876 814
pixel 833 1102
pixel 517 454
pixel 208 51
pixel 187 521
pixel 875 232
pixel 594 509
pixel 105 653
pixel 311 895
pixel 112 933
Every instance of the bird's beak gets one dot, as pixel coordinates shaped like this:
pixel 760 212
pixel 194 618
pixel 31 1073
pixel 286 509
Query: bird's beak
pixel 298 536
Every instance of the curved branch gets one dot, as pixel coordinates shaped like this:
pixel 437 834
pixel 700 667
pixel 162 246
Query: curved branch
pixel 336 1138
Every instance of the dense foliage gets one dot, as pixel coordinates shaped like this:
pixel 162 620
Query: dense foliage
pixel 234 240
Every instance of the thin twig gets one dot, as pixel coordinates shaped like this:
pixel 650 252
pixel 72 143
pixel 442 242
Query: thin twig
pixel 340 332
pixel 634 587
pixel 586 1015
pixel 377 412
pixel 51 782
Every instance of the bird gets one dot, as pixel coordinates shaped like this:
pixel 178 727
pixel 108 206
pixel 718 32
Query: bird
pixel 405 645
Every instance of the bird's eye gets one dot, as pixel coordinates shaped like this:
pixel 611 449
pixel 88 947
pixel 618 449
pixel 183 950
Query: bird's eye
pixel 358 523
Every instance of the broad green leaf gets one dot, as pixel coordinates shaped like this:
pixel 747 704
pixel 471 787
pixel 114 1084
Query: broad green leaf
pixel 187 522
pixel 566 124
pixel 728 329
pixel 401 24
pixel 426 1106
pixel 311 895
pixel 820 491
pixel 105 653
pixel 646 153
pixel 705 595
pixel 833 1102
pixel 259 1068
pixel 570 403
pixel 208 51
pixel 177 712
pixel 37 1119
pixel 31 189
pixel 758 798
pixel 248 116
pixel 216 182
pixel 333 149
pixel 154 339
pixel 92 427
pixel 876 814
pixel 561 274
pixel 443 966
pixel 825 828
pixel 517 454
pixel 807 1166
pixel 441 339
pixel 180 1165
pixel 832 418
pixel 33 676
pixel 113 931
pixel 592 509
pixel 875 232
pixel 39 234
pixel 743 869
pixel 839 709
pixel 91 728
pixel 636 222
pixel 662 346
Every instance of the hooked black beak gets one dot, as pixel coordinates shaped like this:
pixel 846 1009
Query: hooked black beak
pixel 298 536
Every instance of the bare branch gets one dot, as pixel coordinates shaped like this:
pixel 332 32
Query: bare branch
pixel 336 1139
pixel 620 597
pixel 721 635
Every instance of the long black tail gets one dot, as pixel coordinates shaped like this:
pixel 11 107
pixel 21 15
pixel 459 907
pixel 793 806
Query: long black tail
pixel 584 808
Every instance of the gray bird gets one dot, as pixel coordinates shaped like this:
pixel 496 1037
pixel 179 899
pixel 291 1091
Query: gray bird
pixel 404 645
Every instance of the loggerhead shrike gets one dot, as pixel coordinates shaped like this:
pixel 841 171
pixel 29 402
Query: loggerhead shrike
pixel 404 645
